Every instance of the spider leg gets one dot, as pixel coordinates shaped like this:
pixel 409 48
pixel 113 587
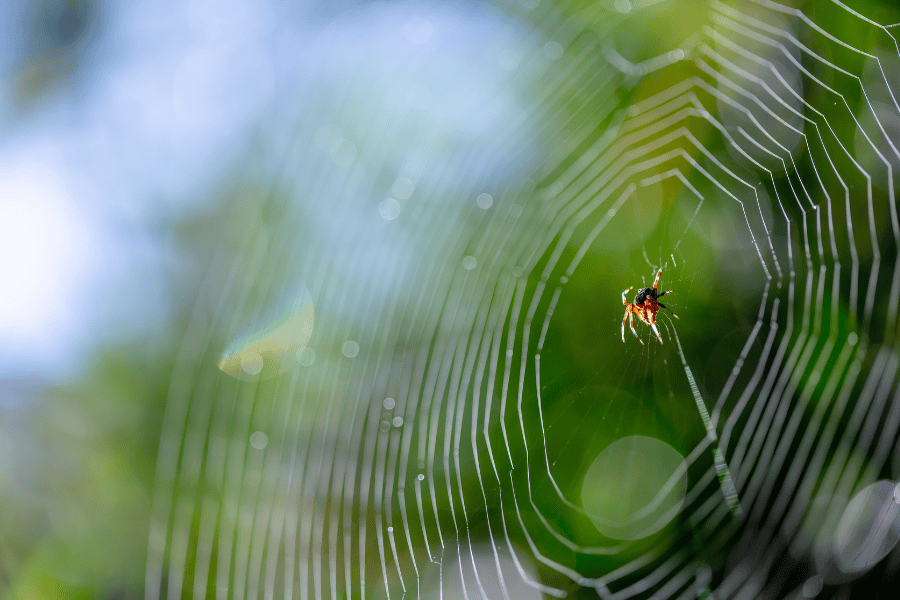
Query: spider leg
pixel 624 301
pixel 668 309
pixel 625 318
pixel 651 319
pixel 655 330
pixel 664 293
pixel 656 281
pixel 631 322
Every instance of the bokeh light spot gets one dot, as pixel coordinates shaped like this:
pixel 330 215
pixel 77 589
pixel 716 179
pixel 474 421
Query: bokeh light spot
pixel 251 363
pixel 403 188
pixel 259 440
pixel 868 529
pixel 634 487
pixel 553 50
pixel 389 209
pixel 350 349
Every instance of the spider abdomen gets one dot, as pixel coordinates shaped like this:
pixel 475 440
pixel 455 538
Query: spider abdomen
pixel 643 294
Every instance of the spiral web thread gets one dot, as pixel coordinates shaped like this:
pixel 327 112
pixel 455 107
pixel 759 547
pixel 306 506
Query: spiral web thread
pixel 338 504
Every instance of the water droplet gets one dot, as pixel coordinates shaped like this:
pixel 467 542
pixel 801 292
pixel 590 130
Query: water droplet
pixel 515 211
pixel 852 338
pixel 553 50
pixel 259 440
pixel 385 426
pixel 389 209
pixel 564 279
pixel 611 212
pixel 398 422
pixel 623 6
pixel 421 477
pixel 484 201
pixel 350 349
pixel 517 272
pixel 402 188
pixel 389 403
pixel 390 529
pixel 469 262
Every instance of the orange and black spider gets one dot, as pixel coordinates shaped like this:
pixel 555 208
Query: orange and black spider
pixel 646 304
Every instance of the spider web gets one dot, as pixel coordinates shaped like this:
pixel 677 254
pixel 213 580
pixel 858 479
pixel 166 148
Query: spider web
pixel 418 440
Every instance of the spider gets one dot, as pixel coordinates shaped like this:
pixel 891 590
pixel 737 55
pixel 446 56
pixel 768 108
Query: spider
pixel 646 304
